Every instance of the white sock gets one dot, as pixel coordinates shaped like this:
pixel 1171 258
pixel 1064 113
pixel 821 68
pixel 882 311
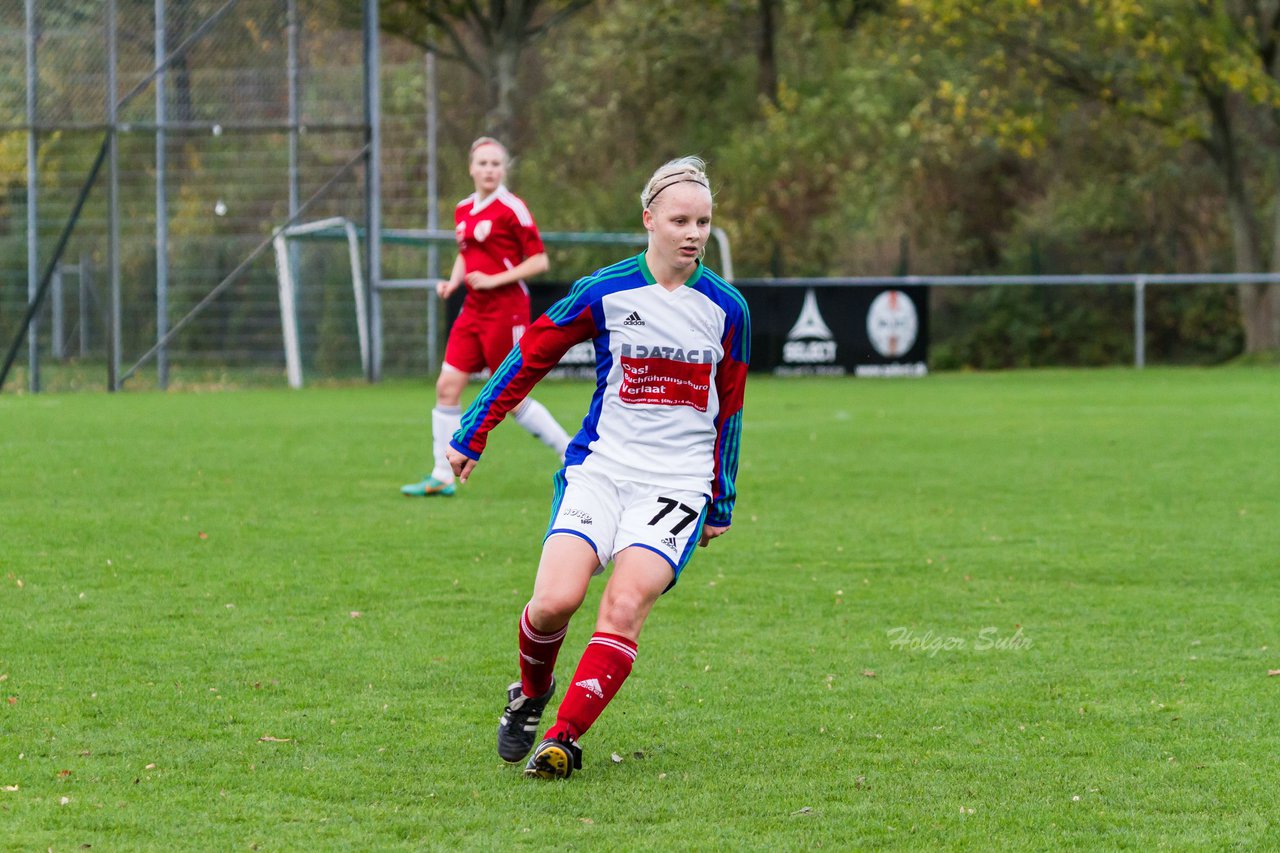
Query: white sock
pixel 535 418
pixel 445 421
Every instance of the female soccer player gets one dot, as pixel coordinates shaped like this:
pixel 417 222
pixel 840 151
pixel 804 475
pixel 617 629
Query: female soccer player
pixel 650 474
pixel 498 247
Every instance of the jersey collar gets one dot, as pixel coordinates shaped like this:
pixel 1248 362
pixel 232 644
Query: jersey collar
pixel 477 206
pixel 648 274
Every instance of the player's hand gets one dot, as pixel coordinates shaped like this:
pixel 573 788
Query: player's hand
pixel 710 532
pixel 462 465
pixel 480 281
pixel 445 288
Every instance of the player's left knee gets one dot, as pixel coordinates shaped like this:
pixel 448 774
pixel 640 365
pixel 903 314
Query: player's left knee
pixel 625 612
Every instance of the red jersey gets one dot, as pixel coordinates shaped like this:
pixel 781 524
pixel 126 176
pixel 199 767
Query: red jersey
pixel 496 235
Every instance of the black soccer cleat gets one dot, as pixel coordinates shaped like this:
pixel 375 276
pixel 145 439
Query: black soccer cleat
pixel 518 728
pixel 554 759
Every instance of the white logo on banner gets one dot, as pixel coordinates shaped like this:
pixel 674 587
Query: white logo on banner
pixel 810 340
pixel 892 323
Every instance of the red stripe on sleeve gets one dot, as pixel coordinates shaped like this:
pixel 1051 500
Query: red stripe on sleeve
pixel 540 349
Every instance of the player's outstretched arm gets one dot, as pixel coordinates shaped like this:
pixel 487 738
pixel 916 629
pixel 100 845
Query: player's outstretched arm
pixel 462 465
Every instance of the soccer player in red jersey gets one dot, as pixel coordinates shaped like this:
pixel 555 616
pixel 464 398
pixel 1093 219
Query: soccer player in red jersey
pixel 650 475
pixel 498 248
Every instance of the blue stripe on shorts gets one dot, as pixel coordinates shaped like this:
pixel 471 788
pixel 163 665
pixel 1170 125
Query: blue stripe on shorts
pixel 690 546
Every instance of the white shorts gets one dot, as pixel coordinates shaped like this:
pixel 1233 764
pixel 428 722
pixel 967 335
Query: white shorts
pixel 615 514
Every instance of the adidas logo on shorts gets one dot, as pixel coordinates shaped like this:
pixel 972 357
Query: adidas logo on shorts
pixel 670 542
pixel 633 320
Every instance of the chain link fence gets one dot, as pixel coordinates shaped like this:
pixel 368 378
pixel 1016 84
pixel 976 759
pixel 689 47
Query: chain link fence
pixel 263 106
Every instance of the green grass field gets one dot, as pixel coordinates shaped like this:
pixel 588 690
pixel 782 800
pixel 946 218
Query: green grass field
pixel 1032 610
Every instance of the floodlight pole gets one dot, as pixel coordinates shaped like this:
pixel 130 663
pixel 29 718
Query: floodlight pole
pixel 33 224
pixel 162 211
pixel 373 187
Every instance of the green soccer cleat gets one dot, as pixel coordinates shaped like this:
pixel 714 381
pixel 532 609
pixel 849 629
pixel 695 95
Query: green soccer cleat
pixel 429 487
pixel 554 759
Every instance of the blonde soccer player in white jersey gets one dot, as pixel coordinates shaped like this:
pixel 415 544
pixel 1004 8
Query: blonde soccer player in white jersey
pixel 651 473
pixel 498 248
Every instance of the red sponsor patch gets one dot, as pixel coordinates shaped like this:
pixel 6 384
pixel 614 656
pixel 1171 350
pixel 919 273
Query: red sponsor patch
pixel 663 382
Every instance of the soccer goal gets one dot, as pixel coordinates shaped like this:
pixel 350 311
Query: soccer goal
pixel 367 295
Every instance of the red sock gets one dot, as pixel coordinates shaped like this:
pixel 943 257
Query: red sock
pixel 605 664
pixel 537 656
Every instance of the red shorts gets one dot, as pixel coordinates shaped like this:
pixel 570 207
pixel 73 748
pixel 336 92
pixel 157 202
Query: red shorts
pixel 477 342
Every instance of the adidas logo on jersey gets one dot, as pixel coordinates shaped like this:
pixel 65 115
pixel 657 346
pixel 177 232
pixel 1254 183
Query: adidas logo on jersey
pixel 670 542
pixel 591 685
pixel 634 319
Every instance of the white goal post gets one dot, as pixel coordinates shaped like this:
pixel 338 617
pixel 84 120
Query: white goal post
pixel 287 279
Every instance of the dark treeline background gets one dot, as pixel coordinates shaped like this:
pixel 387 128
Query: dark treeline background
pixel 853 137
pixel 845 137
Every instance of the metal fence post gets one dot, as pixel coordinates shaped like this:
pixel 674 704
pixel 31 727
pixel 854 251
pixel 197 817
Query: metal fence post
pixel 162 208
pixel 1139 322
pixel 114 324
pixel 55 333
pixel 373 184
pixel 33 238
pixel 86 291
pixel 291 79
pixel 433 215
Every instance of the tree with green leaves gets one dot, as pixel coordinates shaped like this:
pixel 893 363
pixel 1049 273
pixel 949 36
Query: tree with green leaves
pixel 1196 73
pixel 488 39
